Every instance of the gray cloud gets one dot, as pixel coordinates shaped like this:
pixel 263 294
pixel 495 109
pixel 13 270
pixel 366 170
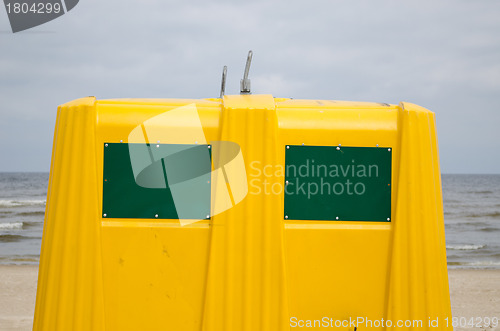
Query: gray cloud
pixel 442 55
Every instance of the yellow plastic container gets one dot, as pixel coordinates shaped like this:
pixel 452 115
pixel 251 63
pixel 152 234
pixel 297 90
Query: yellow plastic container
pixel 249 249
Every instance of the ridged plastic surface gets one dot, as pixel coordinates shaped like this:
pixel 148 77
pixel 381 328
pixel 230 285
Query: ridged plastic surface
pixel 418 264
pixel 70 293
pixel 246 287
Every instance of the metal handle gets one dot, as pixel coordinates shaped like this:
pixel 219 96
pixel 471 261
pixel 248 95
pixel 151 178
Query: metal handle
pixel 223 84
pixel 245 82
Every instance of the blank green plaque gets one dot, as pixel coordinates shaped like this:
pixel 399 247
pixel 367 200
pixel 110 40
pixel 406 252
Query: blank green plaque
pixel 158 181
pixel 330 183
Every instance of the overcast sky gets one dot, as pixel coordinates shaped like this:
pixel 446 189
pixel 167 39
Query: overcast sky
pixel 442 55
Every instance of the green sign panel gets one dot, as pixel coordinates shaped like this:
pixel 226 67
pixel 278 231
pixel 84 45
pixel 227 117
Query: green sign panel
pixel 157 181
pixel 332 183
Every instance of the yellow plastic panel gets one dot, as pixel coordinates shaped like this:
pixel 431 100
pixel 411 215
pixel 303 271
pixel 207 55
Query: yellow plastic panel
pixel 155 271
pixel 337 270
pixel 154 275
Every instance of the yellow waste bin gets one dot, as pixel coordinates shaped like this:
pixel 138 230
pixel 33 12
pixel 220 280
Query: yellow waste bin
pixel 245 212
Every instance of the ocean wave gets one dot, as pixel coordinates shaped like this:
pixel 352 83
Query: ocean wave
pixel 489 229
pixel 477 264
pixel 19 203
pixel 32 213
pixel 10 226
pixel 10 238
pixel 27 224
pixel 465 247
pixel 493 214
pixel 20 259
pixel 481 192
pixel 474 224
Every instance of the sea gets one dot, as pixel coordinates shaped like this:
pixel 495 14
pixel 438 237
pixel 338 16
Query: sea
pixel 471 212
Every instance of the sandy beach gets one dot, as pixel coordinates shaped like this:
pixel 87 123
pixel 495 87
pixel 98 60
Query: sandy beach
pixel 474 293
pixel 17 297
